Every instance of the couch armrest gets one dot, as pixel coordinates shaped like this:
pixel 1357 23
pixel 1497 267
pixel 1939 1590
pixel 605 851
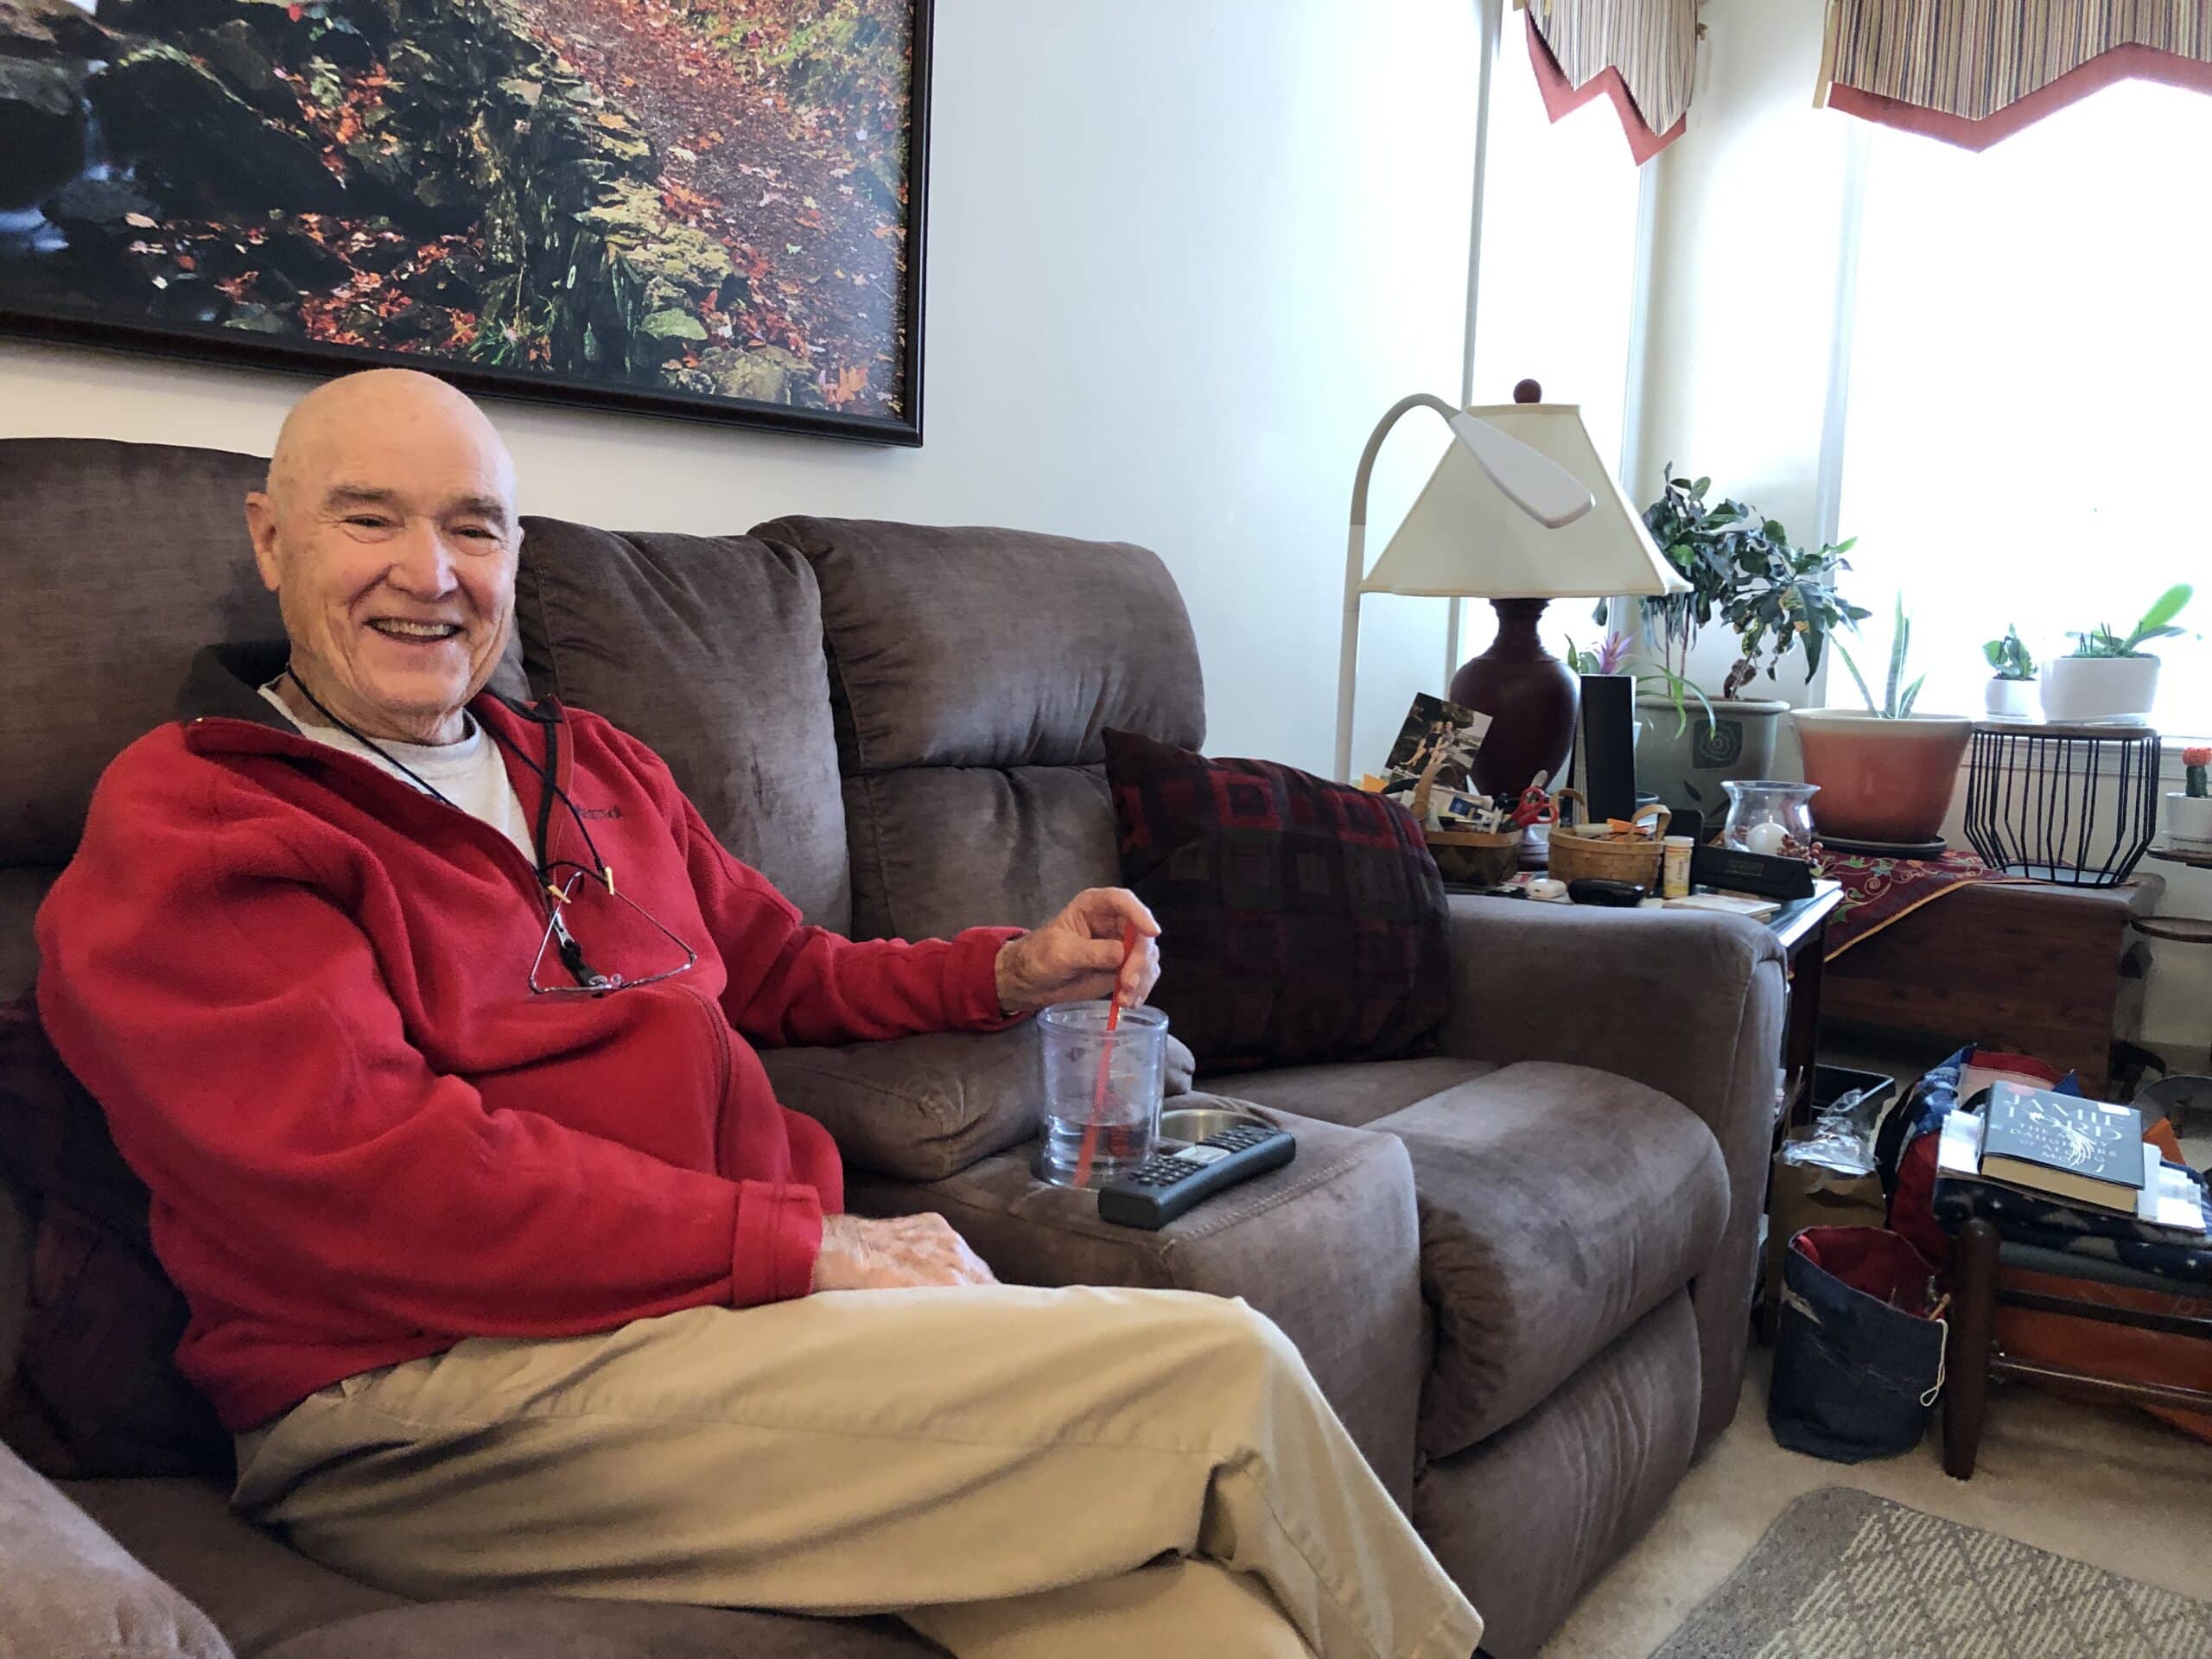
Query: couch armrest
pixel 1688 1002
pixel 73 1592
pixel 1328 1247
pixel 923 1108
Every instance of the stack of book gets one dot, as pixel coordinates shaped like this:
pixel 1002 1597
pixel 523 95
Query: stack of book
pixel 2086 1153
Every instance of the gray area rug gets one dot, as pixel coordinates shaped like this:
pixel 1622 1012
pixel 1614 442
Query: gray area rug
pixel 1846 1575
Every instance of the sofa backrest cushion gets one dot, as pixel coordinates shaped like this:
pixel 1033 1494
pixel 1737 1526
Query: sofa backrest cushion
pixel 971 673
pixel 117 562
pixel 707 649
pixel 96 1392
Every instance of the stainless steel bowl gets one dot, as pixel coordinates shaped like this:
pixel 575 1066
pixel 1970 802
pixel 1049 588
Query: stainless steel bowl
pixel 1187 1125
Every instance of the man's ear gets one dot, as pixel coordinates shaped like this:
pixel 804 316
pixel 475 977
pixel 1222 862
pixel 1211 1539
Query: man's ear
pixel 261 525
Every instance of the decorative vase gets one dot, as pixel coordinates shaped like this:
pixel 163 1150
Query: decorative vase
pixel 1685 765
pixel 2188 822
pixel 1770 817
pixel 2010 699
pixel 2082 691
pixel 1888 780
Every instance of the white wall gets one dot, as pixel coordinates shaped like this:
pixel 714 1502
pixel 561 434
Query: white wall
pixel 1182 254
pixel 1748 227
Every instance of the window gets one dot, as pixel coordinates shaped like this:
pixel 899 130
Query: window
pixel 2027 439
pixel 1558 271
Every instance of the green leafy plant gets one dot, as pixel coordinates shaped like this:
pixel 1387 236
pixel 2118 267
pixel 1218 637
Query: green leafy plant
pixel 1898 697
pixel 2008 658
pixel 1742 568
pixel 2158 623
pixel 1615 656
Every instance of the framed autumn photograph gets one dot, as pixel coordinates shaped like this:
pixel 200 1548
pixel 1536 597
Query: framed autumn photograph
pixel 711 208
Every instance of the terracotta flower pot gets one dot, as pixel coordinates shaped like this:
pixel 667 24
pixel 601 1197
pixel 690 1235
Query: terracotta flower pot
pixel 1881 779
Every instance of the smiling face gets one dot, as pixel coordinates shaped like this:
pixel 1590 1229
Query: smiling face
pixel 388 535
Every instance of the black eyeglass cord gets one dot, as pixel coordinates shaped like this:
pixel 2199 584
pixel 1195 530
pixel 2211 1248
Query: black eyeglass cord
pixel 572 955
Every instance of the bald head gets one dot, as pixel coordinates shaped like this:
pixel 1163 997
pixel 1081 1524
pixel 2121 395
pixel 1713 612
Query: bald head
pixel 335 417
pixel 388 533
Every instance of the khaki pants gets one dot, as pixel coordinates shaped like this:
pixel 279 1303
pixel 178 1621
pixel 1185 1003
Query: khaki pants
pixel 1013 1472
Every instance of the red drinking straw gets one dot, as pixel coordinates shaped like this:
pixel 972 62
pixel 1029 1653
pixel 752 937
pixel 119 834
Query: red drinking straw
pixel 1105 1061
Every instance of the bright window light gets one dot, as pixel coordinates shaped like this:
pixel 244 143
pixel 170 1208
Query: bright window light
pixel 1558 295
pixel 2028 440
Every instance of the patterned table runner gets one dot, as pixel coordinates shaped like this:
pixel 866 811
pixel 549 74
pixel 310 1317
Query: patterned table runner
pixel 1878 891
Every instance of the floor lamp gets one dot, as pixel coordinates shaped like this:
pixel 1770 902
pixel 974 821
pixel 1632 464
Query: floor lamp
pixel 1520 511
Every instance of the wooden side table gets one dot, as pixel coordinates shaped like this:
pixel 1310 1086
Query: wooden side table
pixel 2051 971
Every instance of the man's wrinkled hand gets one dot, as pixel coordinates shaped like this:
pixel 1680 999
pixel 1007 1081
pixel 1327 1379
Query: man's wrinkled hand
pixel 1077 957
pixel 900 1253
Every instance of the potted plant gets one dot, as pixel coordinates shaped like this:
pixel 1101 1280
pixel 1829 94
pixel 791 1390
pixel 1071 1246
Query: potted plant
pixel 1744 571
pixel 2011 693
pixel 2108 676
pixel 2189 815
pixel 1887 775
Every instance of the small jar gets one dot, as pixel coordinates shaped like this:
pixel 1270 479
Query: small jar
pixel 1765 816
pixel 1674 866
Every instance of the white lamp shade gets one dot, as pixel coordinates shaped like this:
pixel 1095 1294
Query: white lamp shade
pixel 1465 537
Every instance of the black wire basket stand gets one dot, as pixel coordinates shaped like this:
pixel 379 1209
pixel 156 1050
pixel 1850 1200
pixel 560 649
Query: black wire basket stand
pixel 2076 805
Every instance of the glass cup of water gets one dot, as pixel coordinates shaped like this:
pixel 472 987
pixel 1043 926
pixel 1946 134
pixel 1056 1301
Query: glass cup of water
pixel 1135 1053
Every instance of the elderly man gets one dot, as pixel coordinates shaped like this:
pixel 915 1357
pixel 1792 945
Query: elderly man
pixel 430 1022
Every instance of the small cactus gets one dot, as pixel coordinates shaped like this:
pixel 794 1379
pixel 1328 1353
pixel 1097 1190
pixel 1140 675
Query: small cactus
pixel 2194 762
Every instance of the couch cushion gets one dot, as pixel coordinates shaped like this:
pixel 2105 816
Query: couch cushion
pixel 97 1388
pixel 982 647
pixel 73 1592
pixel 547 1627
pixel 1301 920
pixel 1534 1514
pixel 923 1108
pixel 1558 1206
pixel 1356 1091
pixel 708 649
pixel 23 890
pixel 972 672
pixel 258 1591
pixel 1324 1246
pixel 939 849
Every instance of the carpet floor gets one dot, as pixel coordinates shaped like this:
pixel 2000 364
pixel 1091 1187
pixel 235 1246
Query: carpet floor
pixel 1846 1575
pixel 2105 1486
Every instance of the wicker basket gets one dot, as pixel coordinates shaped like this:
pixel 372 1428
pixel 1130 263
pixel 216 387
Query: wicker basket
pixel 1586 852
pixel 1473 858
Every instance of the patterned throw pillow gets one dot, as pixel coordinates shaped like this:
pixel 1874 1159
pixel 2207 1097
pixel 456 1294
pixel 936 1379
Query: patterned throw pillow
pixel 1303 920
pixel 96 1392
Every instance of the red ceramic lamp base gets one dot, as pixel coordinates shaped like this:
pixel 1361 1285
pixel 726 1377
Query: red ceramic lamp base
pixel 1531 697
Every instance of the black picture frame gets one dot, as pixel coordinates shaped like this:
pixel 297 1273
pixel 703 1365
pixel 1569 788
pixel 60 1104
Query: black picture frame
pixel 214 344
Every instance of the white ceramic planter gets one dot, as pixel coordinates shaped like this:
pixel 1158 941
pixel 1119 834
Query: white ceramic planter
pixel 2010 699
pixel 2188 822
pixel 2076 690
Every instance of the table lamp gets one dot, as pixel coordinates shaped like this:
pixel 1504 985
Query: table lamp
pixel 1496 521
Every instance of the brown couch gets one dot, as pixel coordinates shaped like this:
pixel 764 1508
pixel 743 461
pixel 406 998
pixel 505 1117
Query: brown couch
pixel 1520 1267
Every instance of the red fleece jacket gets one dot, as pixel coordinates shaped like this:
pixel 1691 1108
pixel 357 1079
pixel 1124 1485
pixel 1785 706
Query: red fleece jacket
pixel 300 989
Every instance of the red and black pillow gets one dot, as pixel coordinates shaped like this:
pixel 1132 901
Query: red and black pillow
pixel 1303 921
pixel 97 1391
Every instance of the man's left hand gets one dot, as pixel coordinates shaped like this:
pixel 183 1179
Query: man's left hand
pixel 1077 957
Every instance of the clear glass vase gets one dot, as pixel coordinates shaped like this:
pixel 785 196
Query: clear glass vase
pixel 1770 817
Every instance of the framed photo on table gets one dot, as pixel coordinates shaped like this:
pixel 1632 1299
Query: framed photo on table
pixel 714 211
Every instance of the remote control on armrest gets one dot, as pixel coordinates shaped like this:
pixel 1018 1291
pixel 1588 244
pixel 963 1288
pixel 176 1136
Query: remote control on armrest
pixel 1164 1187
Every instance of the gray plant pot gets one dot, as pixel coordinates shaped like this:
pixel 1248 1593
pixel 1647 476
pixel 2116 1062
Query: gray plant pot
pixel 1685 769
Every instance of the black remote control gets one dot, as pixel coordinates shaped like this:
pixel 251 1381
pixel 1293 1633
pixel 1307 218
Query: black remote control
pixel 1164 1185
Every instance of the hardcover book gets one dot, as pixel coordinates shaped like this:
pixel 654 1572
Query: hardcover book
pixel 2083 1151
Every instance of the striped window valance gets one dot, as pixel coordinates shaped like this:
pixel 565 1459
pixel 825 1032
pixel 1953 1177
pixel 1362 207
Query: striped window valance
pixel 1974 71
pixel 1641 53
